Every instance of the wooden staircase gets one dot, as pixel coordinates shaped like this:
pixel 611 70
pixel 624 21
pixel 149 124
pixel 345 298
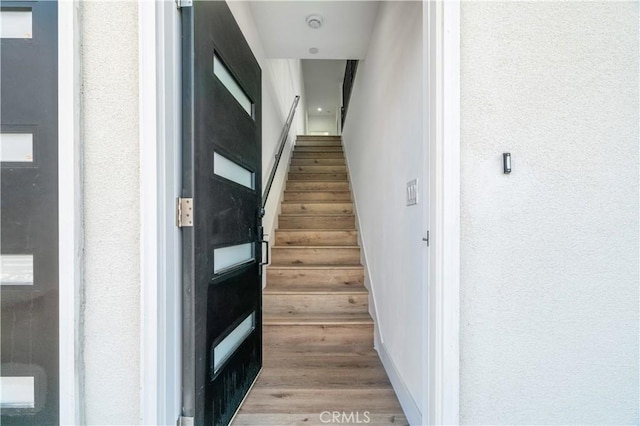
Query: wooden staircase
pixel 319 359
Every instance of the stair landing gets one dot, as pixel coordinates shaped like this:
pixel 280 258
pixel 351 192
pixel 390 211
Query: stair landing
pixel 319 364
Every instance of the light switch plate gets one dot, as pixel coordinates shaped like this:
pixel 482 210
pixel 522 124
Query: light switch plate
pixel 412 192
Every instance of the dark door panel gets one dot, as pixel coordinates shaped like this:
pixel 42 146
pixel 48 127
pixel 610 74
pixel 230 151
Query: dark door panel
pixel 29 214
pixel 222 287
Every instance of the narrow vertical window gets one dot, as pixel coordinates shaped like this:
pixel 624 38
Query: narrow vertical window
pixel 232 171
pixel 16 269
pixel 227 79
pixel 228 257
pixel 16 23
pixel 17 392
pixel 16 147
pixel 223 350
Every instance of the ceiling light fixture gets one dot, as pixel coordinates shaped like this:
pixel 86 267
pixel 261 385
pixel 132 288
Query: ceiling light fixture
pixel 314 21
pixel 314 50
pixel 319 109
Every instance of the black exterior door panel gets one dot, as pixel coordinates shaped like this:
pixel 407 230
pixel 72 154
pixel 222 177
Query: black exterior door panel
pixel 29 212
pixel 226 214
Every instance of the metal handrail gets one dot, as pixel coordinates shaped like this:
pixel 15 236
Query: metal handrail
pixel 283 141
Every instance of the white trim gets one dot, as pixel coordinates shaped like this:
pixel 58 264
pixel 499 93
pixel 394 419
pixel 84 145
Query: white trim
pixel 442 19
pixel 409 406
pixel 373 306
pixel 160 173
pixel 70 232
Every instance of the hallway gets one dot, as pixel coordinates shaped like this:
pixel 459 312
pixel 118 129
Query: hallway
pixel 319 364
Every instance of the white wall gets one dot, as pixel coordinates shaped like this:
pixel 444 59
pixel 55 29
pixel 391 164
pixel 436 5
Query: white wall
pixel 281 82
pixel 321 124
pixel 111 310
pixel 549 254
pixel 383 136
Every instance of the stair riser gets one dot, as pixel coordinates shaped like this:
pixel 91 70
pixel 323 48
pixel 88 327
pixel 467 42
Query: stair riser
pixel 341 177
pixel 314 304
pixel 316 238
pixel 317 335
pixel 317 149
pixel 326 138
pixel 320 208
pixel 332 278
pixel 317 196
pixel 318 143
pixel 316 222
pixel 315 256
pixel 318 155
pixel 318 169
pixel 317 161
pixel 317 186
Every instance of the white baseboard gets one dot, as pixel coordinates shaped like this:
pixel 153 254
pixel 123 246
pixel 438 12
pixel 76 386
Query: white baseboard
pixel 409 406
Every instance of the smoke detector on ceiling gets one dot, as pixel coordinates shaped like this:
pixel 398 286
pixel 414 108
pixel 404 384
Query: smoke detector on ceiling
pixel 314 21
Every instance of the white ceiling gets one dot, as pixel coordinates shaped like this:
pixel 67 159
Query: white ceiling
pixel 344 34
pixel 322 80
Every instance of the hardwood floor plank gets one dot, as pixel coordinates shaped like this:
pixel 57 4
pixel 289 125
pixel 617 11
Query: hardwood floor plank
pixel 266 400
pixel 315 419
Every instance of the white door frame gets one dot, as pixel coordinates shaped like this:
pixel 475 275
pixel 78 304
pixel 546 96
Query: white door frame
pixel 441 18
pixel 160 180
pixel 160 255
pixel 70 231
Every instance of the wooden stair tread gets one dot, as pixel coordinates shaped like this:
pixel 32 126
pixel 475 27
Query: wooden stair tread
pixel 266 400
pixel 316 319
pixel 318 202
pixel 328 377
pixel 312 357
pixel 319 289
pixel 314 229
pixel 317 190
pixel 316 247
pixel 317 215
pixel 312 352
pixel 317 266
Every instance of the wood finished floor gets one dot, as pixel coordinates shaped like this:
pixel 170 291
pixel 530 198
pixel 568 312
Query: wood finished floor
pixel 318 334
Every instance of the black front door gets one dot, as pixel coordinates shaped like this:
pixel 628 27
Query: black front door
pixel 29 213
pixel 222 330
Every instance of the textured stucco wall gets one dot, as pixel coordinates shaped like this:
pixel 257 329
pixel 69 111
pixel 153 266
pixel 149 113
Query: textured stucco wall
pixel 549 254
pixel 383 136
pixel 111 310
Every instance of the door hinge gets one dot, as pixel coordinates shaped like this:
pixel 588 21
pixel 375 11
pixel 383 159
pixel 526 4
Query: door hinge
pixel 185 421
pixel 426 238
pixel 184 212
pixel 184 3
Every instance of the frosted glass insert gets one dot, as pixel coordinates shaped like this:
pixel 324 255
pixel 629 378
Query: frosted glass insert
pixel 15 24
pixel 16 147
pixel 232 171
pixel 17 392
pixel 16 269
pixel 231 84
pixel 228 257
pixel 229 344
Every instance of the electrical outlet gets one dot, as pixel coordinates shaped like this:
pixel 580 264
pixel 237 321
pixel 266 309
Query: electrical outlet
pixel 412 192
